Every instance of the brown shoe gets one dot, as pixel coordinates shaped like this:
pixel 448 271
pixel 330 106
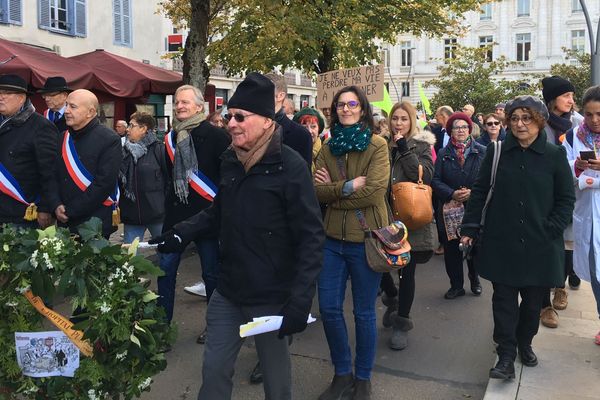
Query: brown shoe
pixel 560 301
pixel 549 317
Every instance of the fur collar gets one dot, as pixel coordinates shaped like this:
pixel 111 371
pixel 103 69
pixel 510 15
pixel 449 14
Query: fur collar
pixel 424 136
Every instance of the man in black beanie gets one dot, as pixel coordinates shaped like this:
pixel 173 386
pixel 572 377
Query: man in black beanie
pixel 271 236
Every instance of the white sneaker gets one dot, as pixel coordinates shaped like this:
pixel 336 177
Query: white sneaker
pixel 197 289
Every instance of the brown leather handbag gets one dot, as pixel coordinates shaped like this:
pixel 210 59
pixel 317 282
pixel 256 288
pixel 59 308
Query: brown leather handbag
pixel 411 202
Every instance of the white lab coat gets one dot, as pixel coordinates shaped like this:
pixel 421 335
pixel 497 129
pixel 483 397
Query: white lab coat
pixel 586 216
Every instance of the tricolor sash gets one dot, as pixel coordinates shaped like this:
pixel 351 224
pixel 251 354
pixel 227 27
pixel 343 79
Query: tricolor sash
pixel 10 187
pixel 79 174
pixel 199 182
pixel 47 115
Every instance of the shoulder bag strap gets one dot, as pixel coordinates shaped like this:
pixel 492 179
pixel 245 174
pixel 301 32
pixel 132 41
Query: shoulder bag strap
pixel 495 161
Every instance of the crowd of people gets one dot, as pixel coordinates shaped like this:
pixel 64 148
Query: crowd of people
pixel 280 203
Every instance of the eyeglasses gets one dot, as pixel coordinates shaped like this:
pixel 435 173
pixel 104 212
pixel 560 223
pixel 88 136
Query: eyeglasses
pixel 131 125
pixel 239 117
pixel 352 104
pixel 525 119
pixel 492 123
pixel 460 128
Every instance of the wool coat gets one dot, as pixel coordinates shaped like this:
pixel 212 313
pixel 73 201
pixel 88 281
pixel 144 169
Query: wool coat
pixel 341 221
pixel 522 242
pixel 270 229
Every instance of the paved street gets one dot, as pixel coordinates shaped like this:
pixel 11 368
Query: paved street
pixel 450 350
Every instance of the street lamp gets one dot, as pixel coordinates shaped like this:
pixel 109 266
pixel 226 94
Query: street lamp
pixel 594 45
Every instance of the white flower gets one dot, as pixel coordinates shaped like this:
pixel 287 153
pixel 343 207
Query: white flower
pixel 121 356
pixel 145 383
pixel 30 390
pixel 11 304
pixel 128 268
pixel 33 259
pixel 104 308
pixel 23 289
pixel 47 261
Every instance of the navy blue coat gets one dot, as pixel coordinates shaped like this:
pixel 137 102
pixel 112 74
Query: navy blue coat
pixel 449 176
pixel 295 136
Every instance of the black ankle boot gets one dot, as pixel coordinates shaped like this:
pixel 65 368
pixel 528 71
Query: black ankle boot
pixel 362 390
pixel 340 388
pixel 528 357
pixel 504 369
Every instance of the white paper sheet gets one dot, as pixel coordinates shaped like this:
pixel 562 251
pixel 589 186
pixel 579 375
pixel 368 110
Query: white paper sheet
pixel 42 354
pixel 268 323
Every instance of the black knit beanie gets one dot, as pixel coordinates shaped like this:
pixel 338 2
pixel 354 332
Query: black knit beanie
pixel 256 94
pixel 554 86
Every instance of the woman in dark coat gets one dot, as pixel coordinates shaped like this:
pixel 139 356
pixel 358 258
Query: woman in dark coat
pixel 456 169
pixel 410 148
pixel 521 251
pixel 142 179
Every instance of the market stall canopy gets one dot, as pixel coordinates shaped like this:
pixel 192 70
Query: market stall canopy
pixel 123 77
pixel 35 65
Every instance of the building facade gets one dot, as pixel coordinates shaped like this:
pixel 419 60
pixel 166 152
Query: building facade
pixel 530 32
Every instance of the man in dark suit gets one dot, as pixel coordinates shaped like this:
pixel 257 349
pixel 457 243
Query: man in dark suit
pixel 54 93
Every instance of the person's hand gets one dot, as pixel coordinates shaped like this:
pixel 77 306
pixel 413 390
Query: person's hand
pixel 594 165
pixel 322 176
pixel 461 195
pixel 467 194
pixel 581 165
pixel 294 321
pixel 397 137
pixel 359 183
pixel 466 240
pixel 169 242
pixel 44 219
pixel 61 214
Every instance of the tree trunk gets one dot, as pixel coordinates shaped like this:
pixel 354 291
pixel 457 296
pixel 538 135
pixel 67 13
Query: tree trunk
pixel 324 60
pixel 195 69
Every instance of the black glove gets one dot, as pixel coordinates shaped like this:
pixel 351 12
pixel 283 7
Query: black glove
pixel 294 320
pixel 169 242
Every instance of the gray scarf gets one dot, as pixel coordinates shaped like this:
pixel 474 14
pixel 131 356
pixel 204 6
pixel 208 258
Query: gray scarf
pixel 132 152
pixel 185 162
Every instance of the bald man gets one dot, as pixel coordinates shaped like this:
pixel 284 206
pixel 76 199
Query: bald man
pixel 121 129
pixel 98 150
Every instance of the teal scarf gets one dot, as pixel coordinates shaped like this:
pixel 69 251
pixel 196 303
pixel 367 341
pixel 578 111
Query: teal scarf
pixel 345 139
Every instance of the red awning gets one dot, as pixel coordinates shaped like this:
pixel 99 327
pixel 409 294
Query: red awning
pixel 35 65
pixel 123 77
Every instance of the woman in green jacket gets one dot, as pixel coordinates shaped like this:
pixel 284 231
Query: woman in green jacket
pixel 521 251
pixel 351 176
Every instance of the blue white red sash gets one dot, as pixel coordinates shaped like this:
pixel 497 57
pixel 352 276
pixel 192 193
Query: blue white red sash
pixel 10 187
pixel 79 174
pixel 199 182
pixel 47 115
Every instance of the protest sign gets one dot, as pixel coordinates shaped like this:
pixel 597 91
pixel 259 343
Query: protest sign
pixel 368 78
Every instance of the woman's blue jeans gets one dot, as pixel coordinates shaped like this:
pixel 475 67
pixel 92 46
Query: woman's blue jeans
pixel 340 260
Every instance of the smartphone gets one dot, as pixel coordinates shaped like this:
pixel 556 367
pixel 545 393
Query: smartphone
pixel 587 155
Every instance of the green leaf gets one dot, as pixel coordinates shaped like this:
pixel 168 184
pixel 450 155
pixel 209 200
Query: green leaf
pixel 90 229
pixel 149 296
pixel 135 340
pixel 146 266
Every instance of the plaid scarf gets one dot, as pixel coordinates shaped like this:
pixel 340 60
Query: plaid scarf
pixel 185 162
pixel 461 148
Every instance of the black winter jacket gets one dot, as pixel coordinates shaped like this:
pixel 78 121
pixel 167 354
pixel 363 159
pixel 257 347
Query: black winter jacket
pixel 28 150
pixel 99 149
pixel 295 136
pixel 210 142
pixel 150 183
pixel 270 229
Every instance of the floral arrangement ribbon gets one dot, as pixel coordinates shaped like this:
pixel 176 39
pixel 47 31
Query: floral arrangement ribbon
pixel 61 323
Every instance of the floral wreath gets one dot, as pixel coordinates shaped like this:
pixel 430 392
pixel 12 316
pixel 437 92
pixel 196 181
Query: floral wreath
pixel 120 319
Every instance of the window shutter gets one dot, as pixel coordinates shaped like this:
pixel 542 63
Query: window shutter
pixel 44 14
pixel 117 21
pixel 14 12
pixel 126 17
pixel 80 23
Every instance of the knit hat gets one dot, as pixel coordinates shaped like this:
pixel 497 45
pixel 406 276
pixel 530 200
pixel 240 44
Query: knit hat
pixel 13 83
pixel 530 102
pixel 459 115
pixel 554 86
pixel 313 112
pixel 256 93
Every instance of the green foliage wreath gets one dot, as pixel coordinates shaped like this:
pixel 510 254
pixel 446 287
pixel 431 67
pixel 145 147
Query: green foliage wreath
pixel 120 316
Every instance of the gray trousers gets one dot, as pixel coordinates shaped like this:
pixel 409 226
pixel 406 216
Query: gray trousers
pixel 223 343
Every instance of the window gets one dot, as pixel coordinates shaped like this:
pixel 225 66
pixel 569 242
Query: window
pixel 523 46
pixel 486 12
pixel 304 99
pixel 384 55
pixel 523 8
pixel 488 42
pixel 576 6
pixel 122 22
pixel 11 12
pixel 405 89
pixel 578 40
pixel 449 48
pixel 405 54
pixel 63 16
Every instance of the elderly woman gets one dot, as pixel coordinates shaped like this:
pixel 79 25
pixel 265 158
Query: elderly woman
pixel 312 120
pixel 352 176
pixel 493 130
pixel 410 148
pixel 521 251
pixel 585 138
pixel 142 179
pixel 456 169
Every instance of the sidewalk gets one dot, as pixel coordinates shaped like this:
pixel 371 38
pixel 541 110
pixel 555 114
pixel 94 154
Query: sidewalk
pixel 569 361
